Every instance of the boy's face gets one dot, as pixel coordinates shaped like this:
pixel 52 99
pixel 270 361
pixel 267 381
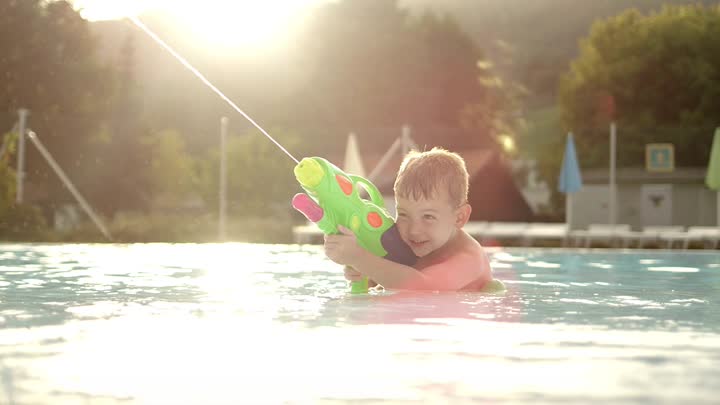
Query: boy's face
pixel 427 224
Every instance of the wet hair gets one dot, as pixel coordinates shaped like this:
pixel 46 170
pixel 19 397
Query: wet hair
pixel 424 174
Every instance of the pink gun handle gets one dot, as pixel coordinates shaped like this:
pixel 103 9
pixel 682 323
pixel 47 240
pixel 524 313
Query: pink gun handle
pixel 309 208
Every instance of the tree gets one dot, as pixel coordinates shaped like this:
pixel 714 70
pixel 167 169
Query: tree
pixel 374 66
pixel 260 176
pixel 172 171
pixel 656 75
pixel 117 178
pixel 49 66
pixel 498 113
pixel 16 221
pixel 544 33
pixel 7 174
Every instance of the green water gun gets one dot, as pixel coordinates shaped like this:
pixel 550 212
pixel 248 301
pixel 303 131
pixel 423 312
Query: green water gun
pixel 333 199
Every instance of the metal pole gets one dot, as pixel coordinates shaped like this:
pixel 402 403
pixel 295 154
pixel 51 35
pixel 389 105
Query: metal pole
pixel 385 159
pixel 407 141
pixel 23 113
pixel 69 184
pixel 223 178
pixel 613 197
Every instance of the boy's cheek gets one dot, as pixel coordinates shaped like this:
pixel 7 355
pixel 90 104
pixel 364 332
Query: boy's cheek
pixel 402 229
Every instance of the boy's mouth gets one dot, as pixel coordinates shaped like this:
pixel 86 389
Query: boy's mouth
pixel 418 244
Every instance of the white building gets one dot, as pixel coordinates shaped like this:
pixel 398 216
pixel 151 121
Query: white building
pixel 643 198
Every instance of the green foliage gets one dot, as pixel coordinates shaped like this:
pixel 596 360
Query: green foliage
pixel 543 138
pixel 172 172
pixel 8 179
pixel 170 227
pixel 22 222
pixel 17 222
pixel 498 111
pixel 114 177
pixel 661 71
pixel 541 34
pixel 49 67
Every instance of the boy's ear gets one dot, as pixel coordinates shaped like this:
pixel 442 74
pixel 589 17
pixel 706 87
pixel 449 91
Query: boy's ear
pixel 463 215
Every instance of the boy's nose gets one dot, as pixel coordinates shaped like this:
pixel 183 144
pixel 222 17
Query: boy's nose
pixel 414 229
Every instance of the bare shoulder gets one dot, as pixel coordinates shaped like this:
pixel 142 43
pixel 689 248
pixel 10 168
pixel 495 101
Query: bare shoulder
pixel 470 256
pixel 471 246
pixel 476 256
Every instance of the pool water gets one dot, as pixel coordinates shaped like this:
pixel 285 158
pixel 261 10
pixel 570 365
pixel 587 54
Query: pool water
pixel 243 323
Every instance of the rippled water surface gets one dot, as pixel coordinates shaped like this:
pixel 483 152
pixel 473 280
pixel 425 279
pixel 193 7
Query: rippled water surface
pixel 242 323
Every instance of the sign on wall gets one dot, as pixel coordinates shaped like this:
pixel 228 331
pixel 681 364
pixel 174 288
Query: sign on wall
pixel 659 157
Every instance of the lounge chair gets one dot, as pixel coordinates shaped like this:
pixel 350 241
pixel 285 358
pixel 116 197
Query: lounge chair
pixel 543 230
pixel 505 230
pixel 310 232
pixel 649 234
pixel 476 229
pixel 709 236
pixel 599 232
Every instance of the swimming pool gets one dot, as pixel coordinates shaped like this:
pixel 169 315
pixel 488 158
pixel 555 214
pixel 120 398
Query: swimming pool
pixel 242 323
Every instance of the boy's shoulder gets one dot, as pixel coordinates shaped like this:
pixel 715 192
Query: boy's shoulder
pixel 467 266
pixel 471 245
pixel 469 252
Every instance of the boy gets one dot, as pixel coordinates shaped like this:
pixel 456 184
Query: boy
pixel 431 197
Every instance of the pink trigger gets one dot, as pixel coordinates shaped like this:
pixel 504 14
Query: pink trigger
pixel 308 207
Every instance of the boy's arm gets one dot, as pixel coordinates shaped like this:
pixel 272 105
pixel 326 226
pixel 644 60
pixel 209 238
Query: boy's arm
pixel 452 274
pixel 390 274
pixel 343 249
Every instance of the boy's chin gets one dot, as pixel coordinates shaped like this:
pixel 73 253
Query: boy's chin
pixel 421 250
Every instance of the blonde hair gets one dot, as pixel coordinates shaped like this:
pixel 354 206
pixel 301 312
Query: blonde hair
pixel 424 174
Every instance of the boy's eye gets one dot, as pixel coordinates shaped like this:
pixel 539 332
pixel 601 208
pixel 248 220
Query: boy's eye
pixel 402 214
pixel 428 216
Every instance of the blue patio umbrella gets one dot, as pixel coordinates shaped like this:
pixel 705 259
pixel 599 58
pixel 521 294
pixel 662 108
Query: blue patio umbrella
pixel 570 181
pixel 712 178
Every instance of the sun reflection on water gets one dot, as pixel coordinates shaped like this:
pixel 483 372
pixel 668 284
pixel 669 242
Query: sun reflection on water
pixel 239 323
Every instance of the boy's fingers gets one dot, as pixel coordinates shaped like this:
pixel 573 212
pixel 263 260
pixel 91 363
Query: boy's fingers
pixel 345 231
pixel 332 240
pixel 337 238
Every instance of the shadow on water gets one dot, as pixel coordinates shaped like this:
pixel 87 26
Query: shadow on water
pixel 407 307
pixel 323 299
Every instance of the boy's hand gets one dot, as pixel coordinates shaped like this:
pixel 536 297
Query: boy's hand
pixel 343 247
pixel 352 275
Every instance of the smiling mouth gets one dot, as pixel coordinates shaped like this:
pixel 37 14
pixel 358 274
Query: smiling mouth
pixel 418 243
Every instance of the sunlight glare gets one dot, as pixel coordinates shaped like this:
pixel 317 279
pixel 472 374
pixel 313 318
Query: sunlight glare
pixel 228 23
pixel 508 143
pixel 217 23
pixel 96 10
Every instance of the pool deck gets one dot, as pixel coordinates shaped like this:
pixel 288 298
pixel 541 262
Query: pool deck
pixel 558 234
